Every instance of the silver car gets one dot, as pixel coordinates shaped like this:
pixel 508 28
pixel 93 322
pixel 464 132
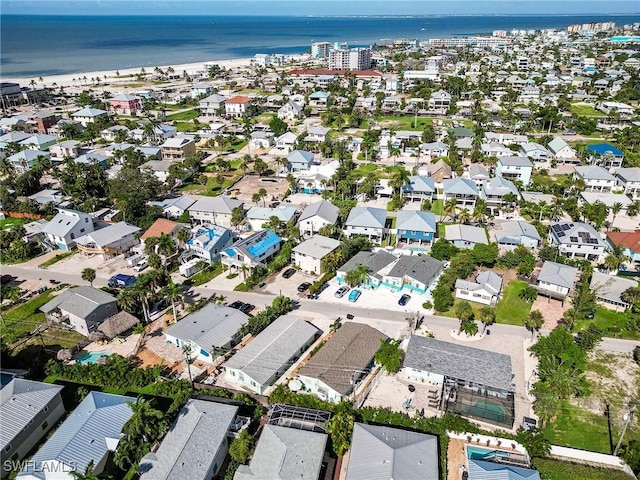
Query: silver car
pixel 342 291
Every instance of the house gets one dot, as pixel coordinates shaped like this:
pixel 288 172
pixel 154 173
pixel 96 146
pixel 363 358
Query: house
pixel 207 241
pixel 497 191
pixel 159 168
pixel 495 150
pixel 217 210
pixel 505 138
pixel 561 151
pixel 162 226
pixel 595 178
pixel 212 105
pixel 286 141
pixel 183 453
pixel 629 180
pixel 13 137
pixel 175 207
pixel 628 241
pixel 86 438
pixel 419 188
pixel 317 134
pixel 27 159
pixel 66 226
pixel 463 376
pixel 439 171
pixel 110 241
pixel 308 255
pixel 478 173
pixel 462 189
pixel 178 149
pixel 481 470
pixel 518 232
pixel 261 140
pixel 89 115
pixel 207 332
pixel 609 199
pixel 381 452
pixel 285 453
pixel 150 153
pixel 556 280
pixel 29 410
pixel 125 104
pixel 110 134
pixel 342 363
pixel 439 101
pixel 577 240
pixel 367 221
pixel 414 225
pixel 534 151
pixel 515 168
pixel 435 149
pixel 92 158
pixel 262 361
pixel 238 106
pixel 84 308
pixel 39 141
pixel 317 215
pixel 257 217
pixel 606 155
pixel 299 161
pixel 609 290
pixel 253 251
pixel 290 111
pixel 465 236
pixel 319 99
pixel 484 289
pixel 159 133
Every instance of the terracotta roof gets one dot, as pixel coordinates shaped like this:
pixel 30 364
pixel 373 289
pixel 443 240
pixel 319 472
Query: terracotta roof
pixel 630 240
pixel 239 99
pixel 357 73
pixel 160 226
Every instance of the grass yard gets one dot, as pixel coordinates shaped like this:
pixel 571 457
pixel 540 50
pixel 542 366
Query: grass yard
pixel 437 206
pixel 511 309
pixel 548 180
pixel 613 324
pixel 205 275
pixel 185 127
pixel 184 116
pixel 557 470
pixel 211 189
pixel 23 318
pixel 366 168
pixel 577 428
pixel 585 111
pixel 476 307
pixel 441 226
pixel 11 222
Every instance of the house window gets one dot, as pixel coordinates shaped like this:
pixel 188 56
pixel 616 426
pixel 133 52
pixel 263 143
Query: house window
pixel 72 235
pixel 45 425
pixel 413 232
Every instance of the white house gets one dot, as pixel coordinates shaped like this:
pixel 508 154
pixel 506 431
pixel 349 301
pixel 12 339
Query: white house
pixel 577 240
pixel 317 215
pixel 309 254
pixel 484 289
pixel 212 105
pixel 217 210
pixel 596 178
pixel 89 115
pixel 629 180
pixel 515 168
pixel 556 279
pixel 253 251
pixel 561 151
pixel 237 106
pixel 286 141
pixel 66 226
pixel 518 232
pixel 110 241
pixel 367 221
pixel 290 111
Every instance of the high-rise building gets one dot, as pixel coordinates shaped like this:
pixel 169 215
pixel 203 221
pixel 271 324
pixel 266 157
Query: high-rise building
pixel 350 59
pixel 320 49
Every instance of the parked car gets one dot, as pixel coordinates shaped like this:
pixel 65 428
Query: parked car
pixel 404 299
pixel 303 287
pixel 141 265
pixel 246 307
pixel 354 295
pixel 288 273
pixel 342 291
pixel 237 305
pixel 121 280
pixel 6 278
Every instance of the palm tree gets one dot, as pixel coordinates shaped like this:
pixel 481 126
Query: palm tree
pixel 480 211
pixel 449 207
pixel 146 422
pixel 357 276
pixel 400 178
pixel 469 327
pixel 263 194
pixel 87 475
pixel 174 293
pixel 166 245
pixel 183 236
pixel 89 275
pixel 487 316
pixel 615 210
pixel 464 216
pixel 534 321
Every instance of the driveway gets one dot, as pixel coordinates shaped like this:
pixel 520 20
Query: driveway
pixel 278 285
pixel 552 310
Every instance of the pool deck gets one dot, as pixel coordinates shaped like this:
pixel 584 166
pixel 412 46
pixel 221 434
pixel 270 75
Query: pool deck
pixel 126 347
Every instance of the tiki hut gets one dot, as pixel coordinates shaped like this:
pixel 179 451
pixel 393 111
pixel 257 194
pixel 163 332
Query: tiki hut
pixel 117 324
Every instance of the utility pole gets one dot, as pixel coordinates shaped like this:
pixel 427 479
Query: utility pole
pixel 627 420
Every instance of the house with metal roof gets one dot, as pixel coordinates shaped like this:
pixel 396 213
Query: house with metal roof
pixel 29 410
pixel 483 470
pixel 178 149
pixel 195 446
pixel 577 240
pixel 497 191
pixel 308 255
pixel 463 190
pixel 383 452
pixel 374 261
pixel 262 361
pixel 366 221
pixel 534 151
pixel 256 217
pixel 515 168
pixel 556 280
pixel 484 289
pixel 87 436
pixel 465 236
pixel 253 251
pixel 595 178
pixel 606 155
pixel 25 160
pixel 472 382
pixel 299 161
pixel 207 331
pixel 284 453
pixel 39 141
pixel 609 290
pixel 89 115
pixel 175 207
pixel 414 225
pixel 317 134
pixel 66 226
pixel 561 151
pixel 211 105
pixel 286 141
pixel 207 242
pixel 84 308
pixel 110 241
pixel 317 215
pixel 629 180
pixel 478 173
pixel 517 232
pixel 342 362
pixel 419 188
pixel 217 210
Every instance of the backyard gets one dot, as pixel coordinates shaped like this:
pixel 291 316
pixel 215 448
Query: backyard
pixel 511 309
pixel 583 110
pixel 612 323
pixel 556 470
pixel 185 115
pixel 212 188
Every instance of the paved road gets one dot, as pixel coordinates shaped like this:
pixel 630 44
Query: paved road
pixel 313 306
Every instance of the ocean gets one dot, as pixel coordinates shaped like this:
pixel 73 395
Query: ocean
pixel 33 46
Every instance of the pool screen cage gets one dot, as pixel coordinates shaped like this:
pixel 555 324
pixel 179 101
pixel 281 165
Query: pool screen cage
pixel 299 417
pixel 480 404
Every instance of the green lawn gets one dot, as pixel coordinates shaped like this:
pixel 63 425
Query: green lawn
pixel 185 127
pixel 56 259
pixel 578 428
pixel 205 275
pixel 441 226
pixel 10 222
pixel 409 122
pixel 437 206
pixel 613 324
pixel 511 309
pixel 557 470
pixel 366 168
pixel 184 116
pixel 212 188
pixel 548 180
pixel 476 307
pixel 585 111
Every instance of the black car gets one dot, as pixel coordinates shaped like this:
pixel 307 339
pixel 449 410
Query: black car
pixel 404 299
pixel 237 305
pixel 246 307
pixel 288 273
pixel 303 286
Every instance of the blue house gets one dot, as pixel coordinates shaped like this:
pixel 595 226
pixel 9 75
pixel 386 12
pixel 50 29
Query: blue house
pixel 416 226
pixel 208 241
pixel 419 188
pixel 299 161
pixel 481 470
pixel 598 151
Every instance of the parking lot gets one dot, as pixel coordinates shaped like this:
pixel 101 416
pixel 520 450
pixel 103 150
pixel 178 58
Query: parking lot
pixel 278 285
pixel 379 298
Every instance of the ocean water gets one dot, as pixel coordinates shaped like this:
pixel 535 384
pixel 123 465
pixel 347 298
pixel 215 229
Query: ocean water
pixel 51 45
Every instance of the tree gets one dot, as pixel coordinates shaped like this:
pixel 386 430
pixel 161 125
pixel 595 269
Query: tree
pixel 357 276
pixel 260 166
pixel 174 293
pixel 278 126
pixel 183 236
pixel 487 316
pixel 469 327
pixel 154 260
pixel 340 428
pixel 534 441
pixel 443 250
pixel 241 447
pixel 89 275
pixel 528 294
pixel 534 321
pixel 632 296
pixel 389 355
pixel 237 215
pixel 615 210
pixel 143 427
pixel 485 254
pixel 463 311
pixel 589 338
pixel 449 208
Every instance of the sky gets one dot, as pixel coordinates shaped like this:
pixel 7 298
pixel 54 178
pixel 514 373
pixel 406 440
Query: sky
pixel 316 7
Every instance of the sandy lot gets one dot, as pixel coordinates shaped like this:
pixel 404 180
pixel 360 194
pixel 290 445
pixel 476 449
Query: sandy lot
pixel 250 184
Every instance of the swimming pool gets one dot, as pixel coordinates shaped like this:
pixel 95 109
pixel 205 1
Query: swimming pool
pixel 481 453
pixel 92 357
pixel 486 409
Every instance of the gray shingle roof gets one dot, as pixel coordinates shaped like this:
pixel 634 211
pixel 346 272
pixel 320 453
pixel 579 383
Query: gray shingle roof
pixel 20 401
pixel 284 214
pixel 575 233
pixel 300 156
pixel 422 268
pixel 209 326
pixel 86 436
pixel 499 186
pixel 415 220
pixel 79 301
pixel 317 246
pixel 376 261
pixel 284 454
pixel 65 221
pixel 109 234
pixel 460 186
pixel 486 280
pixel 190 446
pixel 367 217
pixel 468 233
pixel 323 209
pixel 459 361
pixel 351 348
pixel 631 174
pixel 610 287
pixel 515 161
pixel 509 232
pixel 273 348
pixel 558 274
pixel 219 204
pixel 420 184
pixel 382 453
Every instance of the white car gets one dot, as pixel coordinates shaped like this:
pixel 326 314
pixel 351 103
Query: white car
pixel 141 265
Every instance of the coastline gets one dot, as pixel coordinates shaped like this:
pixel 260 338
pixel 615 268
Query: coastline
pixel 125 74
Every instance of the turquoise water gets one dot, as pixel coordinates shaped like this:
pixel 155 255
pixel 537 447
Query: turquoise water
pixel 92 357
pixel 480 453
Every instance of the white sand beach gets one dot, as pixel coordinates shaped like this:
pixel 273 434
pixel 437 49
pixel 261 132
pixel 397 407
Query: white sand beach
pixel 124 75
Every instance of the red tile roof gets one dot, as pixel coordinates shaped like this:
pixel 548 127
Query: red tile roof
pixel 239 99
pixel 160 226
pixel 357 73
pixel 630 240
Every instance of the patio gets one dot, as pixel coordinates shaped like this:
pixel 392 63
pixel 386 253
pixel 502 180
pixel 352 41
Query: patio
pixel 125 347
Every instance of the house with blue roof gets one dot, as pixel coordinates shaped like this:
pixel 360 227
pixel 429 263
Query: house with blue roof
pixel 319 99
pixel 299 161
pixel 483 470
pixel 367 221
pixel 253 251
pixel 419 188
pixel 416 226
pixel 208 241
pixel 598 154
pixel 27 159
pixel 91 159
pixel 87 437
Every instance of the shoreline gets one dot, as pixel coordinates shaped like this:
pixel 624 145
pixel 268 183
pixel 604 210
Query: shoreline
pixel 125 74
